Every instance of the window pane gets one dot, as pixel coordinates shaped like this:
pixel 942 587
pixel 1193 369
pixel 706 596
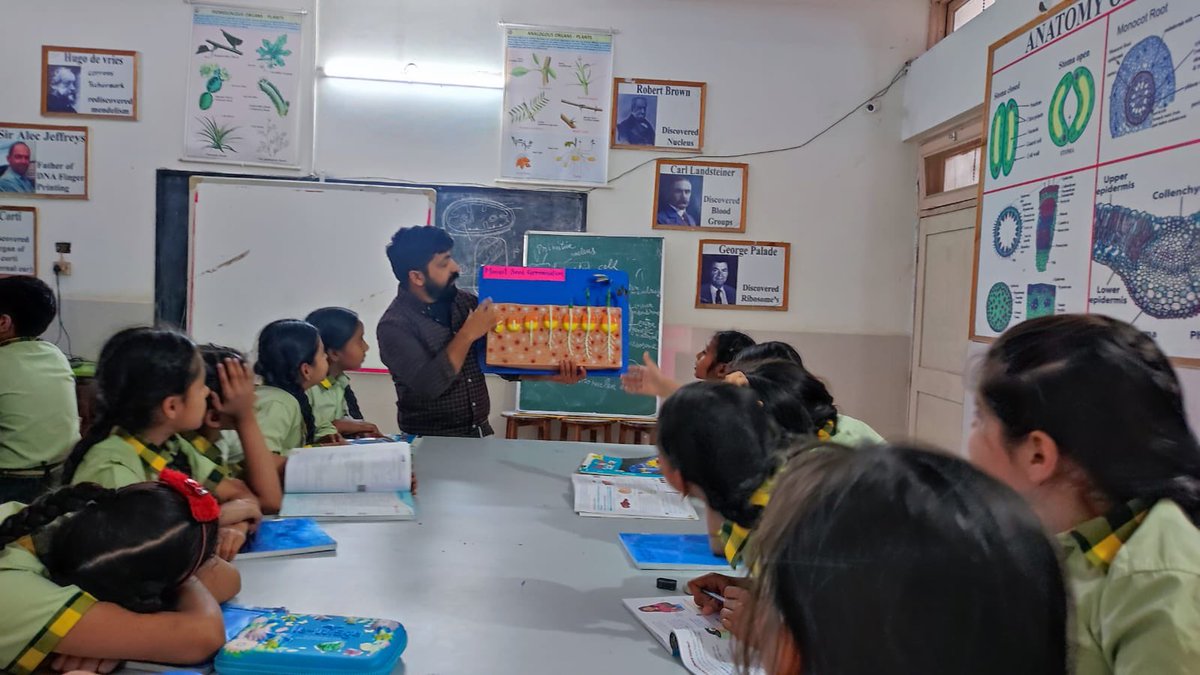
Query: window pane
pixel 969 10
pixel 961 170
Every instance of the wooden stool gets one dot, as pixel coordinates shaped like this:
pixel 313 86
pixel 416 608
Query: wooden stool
pixel 574 427
pixel 637 429
pixel 515 420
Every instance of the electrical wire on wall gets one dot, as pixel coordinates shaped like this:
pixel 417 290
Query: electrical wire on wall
pixel 62 328
pixel 754 153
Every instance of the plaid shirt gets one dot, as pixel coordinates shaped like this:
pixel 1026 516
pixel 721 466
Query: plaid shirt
pixel 431 398
pixel 1099 539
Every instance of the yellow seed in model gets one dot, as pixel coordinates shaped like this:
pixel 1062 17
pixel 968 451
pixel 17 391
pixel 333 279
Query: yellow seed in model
pixel 499 327
pixel 531 324
pixel 552 324
pixel 514 326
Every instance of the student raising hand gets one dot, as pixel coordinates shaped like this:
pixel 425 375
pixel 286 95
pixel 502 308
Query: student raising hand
pixel 648 379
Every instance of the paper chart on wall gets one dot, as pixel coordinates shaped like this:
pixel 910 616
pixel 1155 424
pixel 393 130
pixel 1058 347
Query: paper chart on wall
pixel 244 99
pixel 1090 194
pixel 557 91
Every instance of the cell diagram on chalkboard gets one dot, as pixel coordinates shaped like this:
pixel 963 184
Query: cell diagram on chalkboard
pixel 1145 83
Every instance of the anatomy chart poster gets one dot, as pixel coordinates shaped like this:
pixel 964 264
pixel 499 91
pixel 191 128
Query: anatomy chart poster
pixel 557 90
pixel 1090 195
pixel 244 79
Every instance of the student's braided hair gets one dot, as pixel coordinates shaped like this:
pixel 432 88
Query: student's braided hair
pixel 337 325
pixel 138 368
pixel 284 346
pixel 133 546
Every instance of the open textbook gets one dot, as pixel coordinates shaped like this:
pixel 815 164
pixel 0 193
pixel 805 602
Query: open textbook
pixel 704 647
pixel 349 482
pixel 623 497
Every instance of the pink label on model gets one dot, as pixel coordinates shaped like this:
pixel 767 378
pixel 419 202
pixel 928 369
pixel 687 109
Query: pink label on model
pixel 524 273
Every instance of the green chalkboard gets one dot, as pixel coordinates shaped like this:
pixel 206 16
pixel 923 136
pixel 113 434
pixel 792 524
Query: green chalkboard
pixel 642 259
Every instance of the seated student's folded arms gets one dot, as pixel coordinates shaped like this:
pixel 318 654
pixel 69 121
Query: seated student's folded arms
pixel 1083 415
pixel 893 560
pixel 151 388
pixel 39 418
pixel 291 359
pixel 91 576
pixel 335 407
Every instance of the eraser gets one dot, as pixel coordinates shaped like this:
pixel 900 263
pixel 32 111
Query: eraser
pixel 667 584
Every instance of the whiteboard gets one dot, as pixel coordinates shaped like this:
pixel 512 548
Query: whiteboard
pixel 1089 190
pixel 263 250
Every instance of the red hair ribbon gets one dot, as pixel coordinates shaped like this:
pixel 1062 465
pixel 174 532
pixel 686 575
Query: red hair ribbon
pixel 203 505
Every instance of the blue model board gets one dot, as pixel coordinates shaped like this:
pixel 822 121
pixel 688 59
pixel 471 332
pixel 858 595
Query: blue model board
pixel 579 289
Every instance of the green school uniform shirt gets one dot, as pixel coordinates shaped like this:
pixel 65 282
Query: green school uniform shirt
pixel 280 419
pixel 115 463
pixel 38 613
pixel 1135 575
pixel 328 400
pixel 39 418
pixel 215 451
pixel 854 433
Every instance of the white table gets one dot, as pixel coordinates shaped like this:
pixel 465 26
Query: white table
pixel 497 574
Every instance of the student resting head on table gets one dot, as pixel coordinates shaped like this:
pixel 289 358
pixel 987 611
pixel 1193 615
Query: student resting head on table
pixel 39 418
pixel 1083 415
pixel 896 560
pixel 150 389
pixel 91 576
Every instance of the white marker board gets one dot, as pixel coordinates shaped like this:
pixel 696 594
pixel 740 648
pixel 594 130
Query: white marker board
pixel 263 250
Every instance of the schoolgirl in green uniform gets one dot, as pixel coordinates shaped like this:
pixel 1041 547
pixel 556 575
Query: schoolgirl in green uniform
pixel 1083 415
pixel 91 576
pixel 150 389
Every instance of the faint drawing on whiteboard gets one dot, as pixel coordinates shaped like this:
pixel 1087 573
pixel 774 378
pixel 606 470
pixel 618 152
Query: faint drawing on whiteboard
pixel 1158 258
pixel 478 226
pixel 1145 83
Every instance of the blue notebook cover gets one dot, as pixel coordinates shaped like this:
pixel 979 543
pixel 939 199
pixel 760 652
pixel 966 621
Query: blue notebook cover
pixel 293 536
pixel 671 552
pixel 283 642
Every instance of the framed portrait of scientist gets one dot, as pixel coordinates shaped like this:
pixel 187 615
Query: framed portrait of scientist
pixel 707 196
pixel 658 115
pixel 750 275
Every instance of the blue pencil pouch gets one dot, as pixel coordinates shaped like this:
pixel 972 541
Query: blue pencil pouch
pixel 283 642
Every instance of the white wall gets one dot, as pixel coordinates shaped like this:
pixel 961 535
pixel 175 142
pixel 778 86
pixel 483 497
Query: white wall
pixel 948 80
pixel 777 73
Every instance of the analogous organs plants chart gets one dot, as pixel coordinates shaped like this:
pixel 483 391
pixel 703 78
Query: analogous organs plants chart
pixel 1090 175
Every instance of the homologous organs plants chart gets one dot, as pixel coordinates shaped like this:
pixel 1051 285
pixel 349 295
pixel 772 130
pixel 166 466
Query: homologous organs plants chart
pixel 1090 189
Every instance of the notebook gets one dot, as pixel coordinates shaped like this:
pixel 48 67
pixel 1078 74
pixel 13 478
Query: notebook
pixel 624 497
pixel 672 552
pixel 293 536
pixel 349 482
pixel 607 465
pixel 698 641
pixel 285 642
pixel 236 618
